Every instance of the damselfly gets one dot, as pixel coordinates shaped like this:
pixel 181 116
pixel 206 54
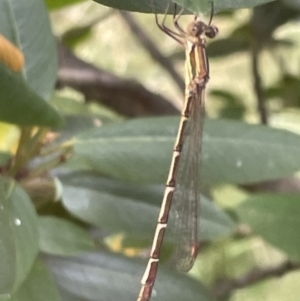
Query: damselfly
pixel 182 187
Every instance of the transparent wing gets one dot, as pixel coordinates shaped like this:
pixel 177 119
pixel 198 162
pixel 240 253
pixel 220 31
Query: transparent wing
pixel 183 221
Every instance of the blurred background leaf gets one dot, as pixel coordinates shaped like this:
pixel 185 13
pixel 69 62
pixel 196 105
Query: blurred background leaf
pixel 99 208
pixel 27 26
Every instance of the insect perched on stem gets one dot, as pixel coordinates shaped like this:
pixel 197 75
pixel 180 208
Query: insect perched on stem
pixel 182 194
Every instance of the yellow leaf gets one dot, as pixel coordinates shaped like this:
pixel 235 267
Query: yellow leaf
pixel 115 244
pixel 10 55
pixel 9 137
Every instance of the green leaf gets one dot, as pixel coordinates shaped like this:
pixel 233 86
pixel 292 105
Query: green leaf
pixel 38 286
pixel 145 6
pixel 54 4
pixel 69 106
pixel 196 6
pixel 140 151
pixel 292 3
pixel 232 106
pixel 21 106
pixel 135 217
pixel 117 278
pixel 26 25
pixel 4 158
pixel 8 262
pixel 284 288
pixel 214 223
pixel 276 218
pixel 18 236
pixel 61 237
pixel 219 5
pixel 26 231
pixel 150 194
pixel 227 46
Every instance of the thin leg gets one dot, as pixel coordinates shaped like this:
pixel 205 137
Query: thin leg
pixel 175 20
pixel 167 30
pixel 164 20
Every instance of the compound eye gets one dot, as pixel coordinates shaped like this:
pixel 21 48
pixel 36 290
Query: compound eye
pixel 195 30
pixel 211 31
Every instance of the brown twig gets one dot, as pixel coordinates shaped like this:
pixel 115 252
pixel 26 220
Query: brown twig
pixel 225 287
pixel 265 19
pixel 257 84
pixel 150 46
pixel 127 97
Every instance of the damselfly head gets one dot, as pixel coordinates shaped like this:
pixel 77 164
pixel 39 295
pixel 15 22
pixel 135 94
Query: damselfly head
pixel 198 28
pixel 211 31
